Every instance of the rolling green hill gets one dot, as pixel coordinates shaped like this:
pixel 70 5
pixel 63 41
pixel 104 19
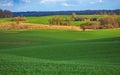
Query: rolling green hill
pixel 60 52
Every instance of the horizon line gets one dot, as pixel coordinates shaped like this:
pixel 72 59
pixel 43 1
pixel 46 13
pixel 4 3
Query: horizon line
pixel 66 10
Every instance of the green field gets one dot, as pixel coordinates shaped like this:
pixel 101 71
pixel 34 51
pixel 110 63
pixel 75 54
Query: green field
pixel 45 19
pixel 60 52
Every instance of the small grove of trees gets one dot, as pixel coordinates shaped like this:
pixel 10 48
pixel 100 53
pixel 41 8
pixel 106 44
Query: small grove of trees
pixel 18 19
pixel 109 21
pixel 105 22
pixel 60 21
pixel 5 13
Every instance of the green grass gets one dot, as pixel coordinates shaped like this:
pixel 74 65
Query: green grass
pixel 60 52
pixel 4 19
pixel 45 19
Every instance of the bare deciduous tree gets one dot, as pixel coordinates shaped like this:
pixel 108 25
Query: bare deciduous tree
pixel 5 13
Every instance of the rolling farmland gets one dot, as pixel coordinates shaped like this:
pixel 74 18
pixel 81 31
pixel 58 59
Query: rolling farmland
pixel 59 52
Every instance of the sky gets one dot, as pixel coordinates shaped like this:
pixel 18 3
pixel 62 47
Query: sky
pixel 58 5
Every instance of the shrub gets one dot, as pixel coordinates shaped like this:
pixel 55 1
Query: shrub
pixel 24 27
pixel 94 25
pixel 13 26
pixel 90 25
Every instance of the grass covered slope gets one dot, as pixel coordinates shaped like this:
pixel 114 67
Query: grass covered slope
pixel 59 52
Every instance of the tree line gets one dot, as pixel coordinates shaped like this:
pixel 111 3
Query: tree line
pixel 5 13
pixel 105 22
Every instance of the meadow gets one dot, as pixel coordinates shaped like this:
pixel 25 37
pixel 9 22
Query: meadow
pixel 60 52
pixel 45 19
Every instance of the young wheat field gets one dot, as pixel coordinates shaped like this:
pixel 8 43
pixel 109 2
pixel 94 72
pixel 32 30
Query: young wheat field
pixel 60 52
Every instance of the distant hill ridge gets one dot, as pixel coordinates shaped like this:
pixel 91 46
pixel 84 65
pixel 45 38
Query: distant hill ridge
pixel 47 13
